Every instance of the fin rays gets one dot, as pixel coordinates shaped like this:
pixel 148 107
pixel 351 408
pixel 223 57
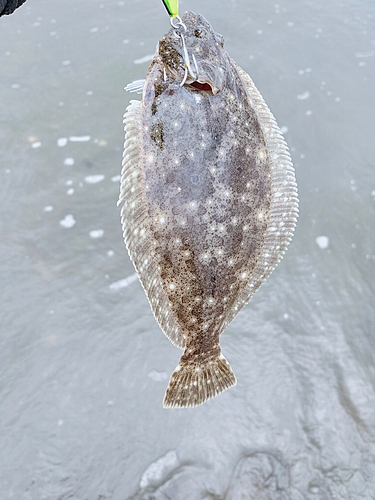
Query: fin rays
pixel 135 222
pixel 192 385
pixel 284 205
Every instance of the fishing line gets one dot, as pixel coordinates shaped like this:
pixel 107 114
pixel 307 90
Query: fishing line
pixel 172 7
pixel 179 30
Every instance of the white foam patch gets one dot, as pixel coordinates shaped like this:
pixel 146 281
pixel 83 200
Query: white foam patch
pixel 62 141
pixel 144 59
pixel 156 471
pixel 116 178
pixel 373 192
pixel 48 208
pixel 365 54
pixel 36 144
pixel 303 96
pixel 79 138
pixel 96 233
pixel 322 241
pixel 68 221
pixel 117 285
pixel 284 129
pixel 68 162
pixel 94 179
pixel 158 376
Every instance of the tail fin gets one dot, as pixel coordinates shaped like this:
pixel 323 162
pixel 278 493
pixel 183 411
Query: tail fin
pixel 192 385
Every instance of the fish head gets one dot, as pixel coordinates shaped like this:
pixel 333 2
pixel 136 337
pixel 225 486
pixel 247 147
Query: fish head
pixel 202 48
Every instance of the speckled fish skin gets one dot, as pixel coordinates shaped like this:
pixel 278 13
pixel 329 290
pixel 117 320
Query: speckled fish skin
pixel 210 202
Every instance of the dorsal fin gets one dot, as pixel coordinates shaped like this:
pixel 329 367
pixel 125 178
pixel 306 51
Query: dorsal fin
pixel 284 204
pixel 135 222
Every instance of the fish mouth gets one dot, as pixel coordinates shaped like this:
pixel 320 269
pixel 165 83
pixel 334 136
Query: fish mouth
pixel 200 85
pixel 206 87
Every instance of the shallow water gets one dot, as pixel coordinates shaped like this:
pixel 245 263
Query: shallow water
pixel 83 363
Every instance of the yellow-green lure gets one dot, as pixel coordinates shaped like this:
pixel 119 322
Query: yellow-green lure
pixel 172 7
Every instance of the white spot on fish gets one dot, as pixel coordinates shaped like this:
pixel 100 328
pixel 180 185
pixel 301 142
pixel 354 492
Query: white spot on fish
pixel 261 154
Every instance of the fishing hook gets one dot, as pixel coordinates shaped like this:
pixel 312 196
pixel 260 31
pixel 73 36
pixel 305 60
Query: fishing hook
pixel 185 54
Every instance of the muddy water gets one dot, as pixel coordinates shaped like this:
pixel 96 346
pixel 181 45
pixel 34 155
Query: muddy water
pixel 83 364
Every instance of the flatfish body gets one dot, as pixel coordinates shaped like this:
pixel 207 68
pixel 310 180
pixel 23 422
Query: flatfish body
pixel 210 201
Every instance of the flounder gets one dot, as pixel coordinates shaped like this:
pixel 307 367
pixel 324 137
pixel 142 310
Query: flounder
pixel 210 200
